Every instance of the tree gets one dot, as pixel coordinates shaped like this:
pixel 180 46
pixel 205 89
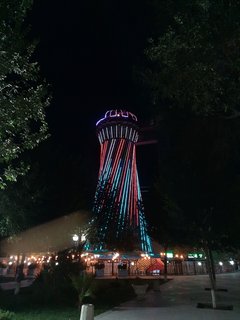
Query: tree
pixel 166 220
pixel 199 173
pixel 195 65
pixel 23 95
pixel 21 203
pixel 193 74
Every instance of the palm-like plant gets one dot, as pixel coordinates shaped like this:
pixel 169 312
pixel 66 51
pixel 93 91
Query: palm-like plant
pixel 83 285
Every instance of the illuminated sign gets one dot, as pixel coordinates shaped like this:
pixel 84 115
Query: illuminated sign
pixel 169 254
pixel 195 255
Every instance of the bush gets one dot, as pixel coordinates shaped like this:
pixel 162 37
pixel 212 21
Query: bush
pixel 52 288
pixel 83 285
pixel 6 315
pixel 109 293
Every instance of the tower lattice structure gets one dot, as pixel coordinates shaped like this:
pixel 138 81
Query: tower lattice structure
pixel 118 205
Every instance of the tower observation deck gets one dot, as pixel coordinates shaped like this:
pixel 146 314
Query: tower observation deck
pixel 118 205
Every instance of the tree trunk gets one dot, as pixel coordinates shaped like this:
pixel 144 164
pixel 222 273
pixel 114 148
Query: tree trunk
pixel 19 275
pixel 211 273
pixel 165 264
pixel 112 267
pixel 212 267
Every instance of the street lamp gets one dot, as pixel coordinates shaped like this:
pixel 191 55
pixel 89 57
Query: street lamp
pixel 75 238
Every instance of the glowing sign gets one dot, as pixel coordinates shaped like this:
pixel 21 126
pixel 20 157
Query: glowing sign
pixel 169 254
pixel 195 255
pixel 118 113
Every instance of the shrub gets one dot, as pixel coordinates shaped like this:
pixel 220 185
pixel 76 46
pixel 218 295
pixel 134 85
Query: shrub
pixel 109 293
pixel 6 315
pixel 52 288
pixel 54 285
pixel 83 285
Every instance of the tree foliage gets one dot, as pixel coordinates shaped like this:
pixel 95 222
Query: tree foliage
pixel 23 95
pixel 195 64
pixel 21 203
pixel 193 71
pixel 196 194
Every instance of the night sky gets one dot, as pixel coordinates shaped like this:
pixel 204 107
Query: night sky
pixel 87 51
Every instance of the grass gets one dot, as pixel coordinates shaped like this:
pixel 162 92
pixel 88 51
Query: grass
pixel 32 303
pixel 49 314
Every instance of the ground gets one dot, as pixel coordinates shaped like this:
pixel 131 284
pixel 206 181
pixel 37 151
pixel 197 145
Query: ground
pixel 175 300
pixel 178 298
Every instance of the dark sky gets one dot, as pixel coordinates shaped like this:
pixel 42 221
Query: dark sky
pixel 86 51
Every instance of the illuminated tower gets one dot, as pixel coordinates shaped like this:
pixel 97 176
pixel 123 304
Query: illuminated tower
pixel 118 203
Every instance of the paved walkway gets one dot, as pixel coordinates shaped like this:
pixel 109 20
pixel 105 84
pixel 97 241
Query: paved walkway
pixel 177 300
pixel 11 285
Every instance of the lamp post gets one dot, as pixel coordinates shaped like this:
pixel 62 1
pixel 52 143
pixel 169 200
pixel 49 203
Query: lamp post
pixel 83 237
pixel 75 240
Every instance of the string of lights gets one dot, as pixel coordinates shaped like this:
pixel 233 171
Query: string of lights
pixel 118 201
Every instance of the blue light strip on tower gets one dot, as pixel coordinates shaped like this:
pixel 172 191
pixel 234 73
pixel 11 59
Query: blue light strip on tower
pixel 118 197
